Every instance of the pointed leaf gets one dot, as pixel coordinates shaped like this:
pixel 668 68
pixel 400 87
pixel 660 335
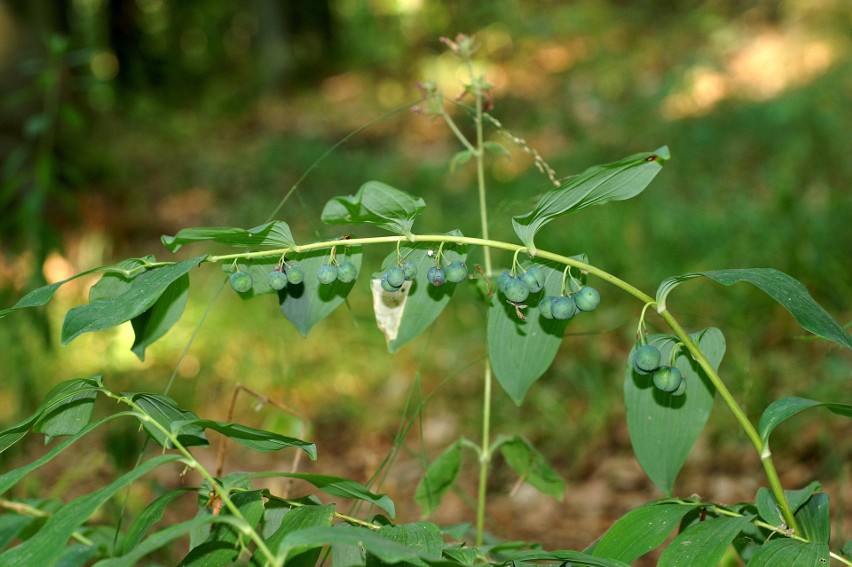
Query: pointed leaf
pixel 114 283
pixel 256 439
pixel 152 514
pixel 299 519
pixel 441 475
pixel 460 158
pixel 814 519
pixel 522 350
pixel 574 557
pixel 333 485
pixel 166 412
pixel 703 544
pixel 156 321
pixel 423 537
pixel 68 407
pixel 767 505
pixel 496 148
pixel 378 204
pixel 641 530
pixel 384 549
pixel 790 553
pixel 310 302
pixel 275 233
pixel 787 291
pixel 143 292
pixel 597 185
pixel 785 408
pixel 404 315
pixel 663 428
pixel 532 467
pixel 48 544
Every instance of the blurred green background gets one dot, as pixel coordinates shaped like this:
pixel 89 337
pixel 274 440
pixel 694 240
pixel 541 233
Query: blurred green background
pixel 121 120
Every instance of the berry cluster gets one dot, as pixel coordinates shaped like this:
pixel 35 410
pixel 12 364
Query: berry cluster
pixel 343 272
pixel 562 307
pixel 647 359
pixel 395 276
pixel 277 279
pixel 454 272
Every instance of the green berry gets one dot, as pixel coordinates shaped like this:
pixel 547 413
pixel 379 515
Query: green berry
pixel 395 277
pixel 545 306
pixel 436 276
pixel 587 298
pixel 667 378
pixel 387 286
pixel 295 274
pixel 563 307
pixel 456 271
pixel 516 290
pixel 681 389
pixel 502 279
pixel 409 269
pixel 533 278
pixel 277 280
pixel 327 273
pixel 346 272
pixel 646 359
pixel 241 281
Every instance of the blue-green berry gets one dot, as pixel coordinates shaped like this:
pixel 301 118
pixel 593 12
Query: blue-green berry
pixel 409 269
pixel 545 306
pixel 502 279
pixel 327 273
pixel 667 378
pixel 277 280
pixel 346 272
pixel 387 286
pixel 295 274
pixel 563 307
pixel 456 271
pixel 587 298
pixel 241 281
pixel 395 277
pixel 646 359
pixel 681 390
pixel 534 279
pixel 436 276
pixel 516 290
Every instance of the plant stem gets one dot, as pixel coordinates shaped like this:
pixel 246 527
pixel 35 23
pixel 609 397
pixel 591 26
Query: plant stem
pixel 484 455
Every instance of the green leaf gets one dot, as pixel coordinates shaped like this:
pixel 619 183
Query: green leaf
pixel 165 536
pixel 787 291
pixel 11 525
pixel 767 505
pixel 143 292
pixel 222 545
pixel 790 553
pixel 785 408
pixel 384 549
pixel 423 537
pixel 42 295
pixel 256 439
pixel 12 477
pixel 597 185
pixel 114 283
pixel 156 321
pixel 496 148
pixel 67 408
pixel 152 514
pixel 663 428
pixel 404 315
pixel 460 158
pixel 49 542
pixel 814 519
pixel 642 529
pixel 55 400
pixel 574 557
pixel 166 412
pixel 531 466
pixel 332 485
pixel 703 544
pixel 294 520
pixel 310 302
pixel 522 350
pixel 377 204
pixel 275 233
pixel 441 475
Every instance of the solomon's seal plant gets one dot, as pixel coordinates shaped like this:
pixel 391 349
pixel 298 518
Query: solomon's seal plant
pixel 240 520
